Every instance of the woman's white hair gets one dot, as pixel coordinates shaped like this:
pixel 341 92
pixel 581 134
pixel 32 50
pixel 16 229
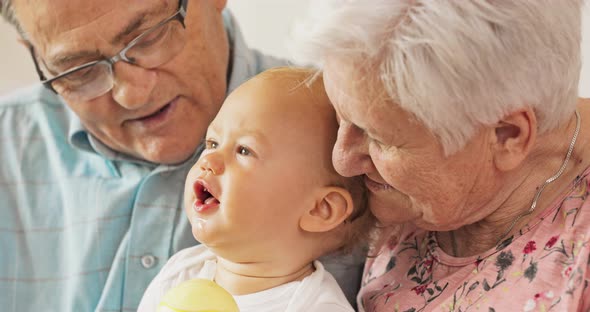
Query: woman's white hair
pixel 455 65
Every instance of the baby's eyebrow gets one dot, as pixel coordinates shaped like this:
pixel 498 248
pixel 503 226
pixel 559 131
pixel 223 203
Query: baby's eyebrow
pixel 257 135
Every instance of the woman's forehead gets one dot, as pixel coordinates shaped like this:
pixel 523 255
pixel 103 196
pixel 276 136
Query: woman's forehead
pixel 351 97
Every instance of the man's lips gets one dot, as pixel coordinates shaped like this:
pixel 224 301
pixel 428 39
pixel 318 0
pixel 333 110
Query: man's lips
pixel 161 110
pixel 205 197
pixel 375 186
pixel 154 114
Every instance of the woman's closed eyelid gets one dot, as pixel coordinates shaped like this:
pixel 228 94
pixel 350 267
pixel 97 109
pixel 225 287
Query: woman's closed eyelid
pixel 378 141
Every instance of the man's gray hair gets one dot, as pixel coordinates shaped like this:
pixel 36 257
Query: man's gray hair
pixel 455 65
pixel 7 11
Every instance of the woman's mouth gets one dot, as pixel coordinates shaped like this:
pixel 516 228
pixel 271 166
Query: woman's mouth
pixel 374 186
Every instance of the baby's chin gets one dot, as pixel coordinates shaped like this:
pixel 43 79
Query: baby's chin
pixel 199 228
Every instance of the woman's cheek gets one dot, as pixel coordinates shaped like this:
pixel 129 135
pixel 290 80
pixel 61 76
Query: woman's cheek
pixel 390 169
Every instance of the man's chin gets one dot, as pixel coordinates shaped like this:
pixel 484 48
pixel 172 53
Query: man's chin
pixel 171 155
pixel 170 159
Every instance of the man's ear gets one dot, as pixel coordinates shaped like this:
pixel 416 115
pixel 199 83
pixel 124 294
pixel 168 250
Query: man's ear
pixel 332 207
pixel 514 137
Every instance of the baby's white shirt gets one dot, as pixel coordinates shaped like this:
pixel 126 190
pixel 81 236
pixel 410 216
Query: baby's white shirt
pixel 317 292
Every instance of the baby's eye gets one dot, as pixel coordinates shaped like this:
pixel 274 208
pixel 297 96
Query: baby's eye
pixel 210 144
pixel 244 151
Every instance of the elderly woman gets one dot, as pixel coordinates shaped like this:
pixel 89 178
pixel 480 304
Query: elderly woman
pixel 463 118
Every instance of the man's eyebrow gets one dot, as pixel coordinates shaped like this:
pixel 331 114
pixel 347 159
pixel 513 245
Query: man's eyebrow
pixel 133 25
pixel 63 59
pixel 138 21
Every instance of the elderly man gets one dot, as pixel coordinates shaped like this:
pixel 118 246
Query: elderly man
pixel 93 163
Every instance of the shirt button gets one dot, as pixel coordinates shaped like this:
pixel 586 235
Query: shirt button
pixel 148 261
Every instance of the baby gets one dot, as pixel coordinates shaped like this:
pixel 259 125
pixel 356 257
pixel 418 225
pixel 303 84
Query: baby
pixel 265 201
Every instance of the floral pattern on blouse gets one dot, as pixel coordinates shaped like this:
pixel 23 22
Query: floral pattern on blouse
pixel 545 267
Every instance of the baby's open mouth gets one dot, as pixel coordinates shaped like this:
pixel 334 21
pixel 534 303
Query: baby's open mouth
pixel 204 198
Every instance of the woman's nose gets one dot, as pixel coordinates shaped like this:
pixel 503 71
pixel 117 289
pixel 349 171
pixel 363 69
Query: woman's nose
pixel 133 85
pixel 211 163
pixel 350 155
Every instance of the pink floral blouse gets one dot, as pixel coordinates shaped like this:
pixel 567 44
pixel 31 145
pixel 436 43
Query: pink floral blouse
pixel 546 267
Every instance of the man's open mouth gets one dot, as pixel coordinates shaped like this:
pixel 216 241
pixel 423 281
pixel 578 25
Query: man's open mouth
pixel 161 110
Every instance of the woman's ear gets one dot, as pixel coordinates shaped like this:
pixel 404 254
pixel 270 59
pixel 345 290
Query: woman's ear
pixel 332 207
pixel 514 137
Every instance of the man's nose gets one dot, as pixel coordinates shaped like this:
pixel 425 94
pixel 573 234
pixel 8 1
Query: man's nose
pixel 211 163
pixel 133 85
pixel 350 155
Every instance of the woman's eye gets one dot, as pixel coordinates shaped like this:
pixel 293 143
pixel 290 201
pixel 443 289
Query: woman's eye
pixel 210 144
pixel 244 151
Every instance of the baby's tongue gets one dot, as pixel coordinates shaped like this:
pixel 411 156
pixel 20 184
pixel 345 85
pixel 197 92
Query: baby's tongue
pixel 211 200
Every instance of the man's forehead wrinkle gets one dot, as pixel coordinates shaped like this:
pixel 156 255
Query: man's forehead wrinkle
pixel 99 28
pixel 71 17
pixel 52 40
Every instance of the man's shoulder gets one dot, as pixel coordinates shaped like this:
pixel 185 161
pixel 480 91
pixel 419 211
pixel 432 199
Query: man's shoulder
pixel 35 120
pixel 27 96
pixel 34 112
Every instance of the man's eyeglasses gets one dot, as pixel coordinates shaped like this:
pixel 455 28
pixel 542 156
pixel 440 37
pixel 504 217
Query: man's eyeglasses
pixel 152 48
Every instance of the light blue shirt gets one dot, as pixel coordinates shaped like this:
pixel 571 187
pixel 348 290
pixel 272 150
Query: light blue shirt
pixel 83 228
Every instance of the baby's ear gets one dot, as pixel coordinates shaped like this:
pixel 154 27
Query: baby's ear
pixel 332 207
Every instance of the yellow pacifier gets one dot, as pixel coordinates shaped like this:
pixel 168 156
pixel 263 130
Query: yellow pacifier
pixel 198 295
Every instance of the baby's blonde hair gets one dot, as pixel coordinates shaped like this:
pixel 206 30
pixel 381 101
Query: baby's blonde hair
pixel 357 227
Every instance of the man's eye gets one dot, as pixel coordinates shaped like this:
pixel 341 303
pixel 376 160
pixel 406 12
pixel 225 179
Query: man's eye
pixel 244 151
pixel 154 37
pixel 210 144
pixel 81 76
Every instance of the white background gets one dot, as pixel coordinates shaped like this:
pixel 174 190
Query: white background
pixel 265 24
